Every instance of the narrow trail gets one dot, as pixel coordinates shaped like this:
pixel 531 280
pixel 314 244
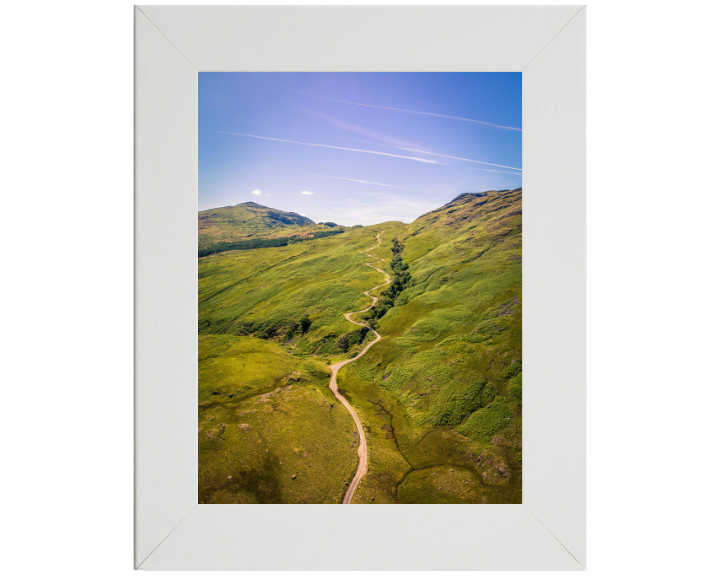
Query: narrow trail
pixel 362 449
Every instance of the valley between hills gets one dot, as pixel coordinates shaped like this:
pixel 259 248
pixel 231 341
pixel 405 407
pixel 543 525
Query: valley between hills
pixel 369 364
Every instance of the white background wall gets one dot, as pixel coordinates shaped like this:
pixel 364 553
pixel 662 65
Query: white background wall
pixel 67 286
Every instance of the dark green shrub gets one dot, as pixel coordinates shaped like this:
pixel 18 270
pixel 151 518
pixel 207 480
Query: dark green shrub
pixel 514 389
pixel 512 370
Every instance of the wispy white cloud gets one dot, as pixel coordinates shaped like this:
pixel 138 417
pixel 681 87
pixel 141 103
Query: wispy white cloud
pixel 425 160
pixel 409 111
pixel 302 213
pixel 339 178
pixel 426 152
pixel 257 192
pixel 361 130
pixel 306 193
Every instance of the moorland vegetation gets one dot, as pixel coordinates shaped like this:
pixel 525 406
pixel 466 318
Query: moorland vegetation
pixel 439 397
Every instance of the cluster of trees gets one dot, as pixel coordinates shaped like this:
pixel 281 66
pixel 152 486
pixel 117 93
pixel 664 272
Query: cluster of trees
pixel 262 243
pixel 347 341
pixel 299 327
pixel 269 329
pixel 400 281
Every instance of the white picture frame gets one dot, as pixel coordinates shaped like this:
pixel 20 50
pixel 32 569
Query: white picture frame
pixel 545 532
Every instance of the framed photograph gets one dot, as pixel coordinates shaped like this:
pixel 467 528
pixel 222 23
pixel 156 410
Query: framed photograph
pixel 360 279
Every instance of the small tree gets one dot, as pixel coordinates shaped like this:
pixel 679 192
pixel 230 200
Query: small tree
pixel 397 246
pixel 305 323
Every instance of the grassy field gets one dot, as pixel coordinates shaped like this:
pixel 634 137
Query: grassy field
pixel 440 397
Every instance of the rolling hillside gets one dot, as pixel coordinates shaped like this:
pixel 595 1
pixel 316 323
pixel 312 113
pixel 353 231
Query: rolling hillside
pixel 250 220
pixel 439 396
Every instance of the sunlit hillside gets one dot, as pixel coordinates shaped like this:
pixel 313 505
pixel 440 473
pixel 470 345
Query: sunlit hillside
pixel 439 396
pixel 250 220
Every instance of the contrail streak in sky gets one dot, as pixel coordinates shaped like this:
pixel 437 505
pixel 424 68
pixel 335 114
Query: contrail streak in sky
pixel 339 178
pixel 498 171
pixel 431 153
pixel 409 111
pixel 425 160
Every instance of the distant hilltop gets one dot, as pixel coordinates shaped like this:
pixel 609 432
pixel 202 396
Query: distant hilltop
pixel 246 220
pixel 465 197
pixel 480 194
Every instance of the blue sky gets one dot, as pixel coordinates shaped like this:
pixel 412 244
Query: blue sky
pixel 356 148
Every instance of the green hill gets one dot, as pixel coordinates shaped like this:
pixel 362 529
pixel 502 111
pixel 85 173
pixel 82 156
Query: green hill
pixel 439 396
pixel 249 220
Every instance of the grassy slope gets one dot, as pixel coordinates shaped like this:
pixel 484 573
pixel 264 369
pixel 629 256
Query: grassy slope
pixel 263 418
pixel 299 431
pixel 439 392
pixel 444 386
pixel 264 293
pixel 250 220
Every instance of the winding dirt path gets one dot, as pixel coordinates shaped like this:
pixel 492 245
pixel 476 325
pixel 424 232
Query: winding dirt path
pixel 362 449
